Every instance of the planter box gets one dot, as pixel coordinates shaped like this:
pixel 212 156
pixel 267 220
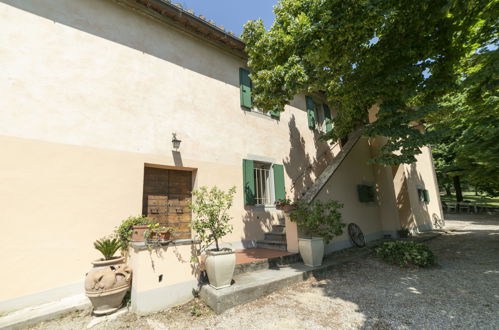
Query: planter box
pixel 311 251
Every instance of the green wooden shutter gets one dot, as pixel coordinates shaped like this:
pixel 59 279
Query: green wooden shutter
pixel 280 191
pixel 327 116
pixel 245 87
pixel 365 193
pixel 248 182
pixel 275 113
pixel 310 111
pixel 426 196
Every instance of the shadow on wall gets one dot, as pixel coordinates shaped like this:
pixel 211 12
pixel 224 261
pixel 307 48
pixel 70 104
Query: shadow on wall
pixel 256 222
pixel 131 29
pixel 413 215
pixel 299 165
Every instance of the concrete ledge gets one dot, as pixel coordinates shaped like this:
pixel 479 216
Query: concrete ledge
pixel 146 302
pixel 178 242
pixel 31 315
pixel 251 286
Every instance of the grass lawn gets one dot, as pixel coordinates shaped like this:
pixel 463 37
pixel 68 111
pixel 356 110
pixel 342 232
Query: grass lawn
pixel 470 196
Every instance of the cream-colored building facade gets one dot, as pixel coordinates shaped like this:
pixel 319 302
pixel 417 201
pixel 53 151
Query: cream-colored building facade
pixel 91 93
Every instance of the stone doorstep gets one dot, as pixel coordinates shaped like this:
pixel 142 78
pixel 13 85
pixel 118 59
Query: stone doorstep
pixel 269 263
pixel 253 285
pixel 31 315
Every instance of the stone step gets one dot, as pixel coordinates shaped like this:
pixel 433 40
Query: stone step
pixel 253 285
pixel 278 228
pixel 273 245
pixel 275 236
pixel 270 263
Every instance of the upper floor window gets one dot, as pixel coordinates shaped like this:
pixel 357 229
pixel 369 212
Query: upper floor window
pixel 245 88
pixel 319 115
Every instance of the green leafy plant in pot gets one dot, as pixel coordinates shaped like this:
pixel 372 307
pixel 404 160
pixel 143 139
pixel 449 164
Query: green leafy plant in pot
pixel 211 223
pixel 132 229
pixel 108 246
pixel 318 223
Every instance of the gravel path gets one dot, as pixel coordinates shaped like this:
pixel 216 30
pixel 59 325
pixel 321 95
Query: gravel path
pixel 461 292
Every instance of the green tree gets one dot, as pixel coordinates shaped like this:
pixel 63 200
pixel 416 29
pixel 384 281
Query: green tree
pixel 211 221
pixel 469 119
pixel 409 57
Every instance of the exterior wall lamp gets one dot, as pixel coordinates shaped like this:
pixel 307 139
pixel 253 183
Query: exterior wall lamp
pixel 175 141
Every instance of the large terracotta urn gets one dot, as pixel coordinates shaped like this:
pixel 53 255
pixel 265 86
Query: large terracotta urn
pixel 106 286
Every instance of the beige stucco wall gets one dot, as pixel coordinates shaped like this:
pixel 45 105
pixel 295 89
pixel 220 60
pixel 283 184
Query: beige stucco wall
pixel 343 187
pixel 91 92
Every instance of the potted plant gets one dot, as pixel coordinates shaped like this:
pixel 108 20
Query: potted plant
pixel 211 223
pixel 108 282
pixel 132 229
pixel 108 247
pixel 285 204
pixel 317 224
pixel 157 233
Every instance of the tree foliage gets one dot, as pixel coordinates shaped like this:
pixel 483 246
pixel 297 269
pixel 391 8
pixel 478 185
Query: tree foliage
pixel 211 221
pixel 405 56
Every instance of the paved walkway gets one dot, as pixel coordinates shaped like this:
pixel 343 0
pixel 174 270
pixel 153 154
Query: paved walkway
pixel 462 291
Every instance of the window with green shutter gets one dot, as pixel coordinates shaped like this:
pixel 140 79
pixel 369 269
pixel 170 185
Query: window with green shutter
pixel 245 88
pixel 328 118
pixel 279 189
pixel 310 111
pixel 426 196
pixel 248 182
pixel 275 113
pixel 366 193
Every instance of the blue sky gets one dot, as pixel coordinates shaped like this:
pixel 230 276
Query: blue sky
pixel 232 14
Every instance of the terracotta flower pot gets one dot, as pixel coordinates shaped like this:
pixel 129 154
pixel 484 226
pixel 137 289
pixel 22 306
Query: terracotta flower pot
pixel 287 208
pixel 114 261
pixel 107 286
pixel 138 233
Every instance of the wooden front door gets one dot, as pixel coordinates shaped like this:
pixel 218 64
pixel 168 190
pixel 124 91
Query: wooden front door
pixel 167 194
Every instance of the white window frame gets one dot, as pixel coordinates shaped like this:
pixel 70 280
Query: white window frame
pixel 269 184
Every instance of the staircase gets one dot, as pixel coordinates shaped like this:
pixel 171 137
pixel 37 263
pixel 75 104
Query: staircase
pixel 321 181
pixel 275 239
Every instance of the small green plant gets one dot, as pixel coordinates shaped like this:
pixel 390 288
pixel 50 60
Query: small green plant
pixel 211 221
pixel 157 232
pixel 404 232
pixel 404 253
pixel 107 246
pixel 318 219
pixel 124 230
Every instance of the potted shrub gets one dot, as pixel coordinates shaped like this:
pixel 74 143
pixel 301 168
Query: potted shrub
pixel 132 229
pixel 107 284
pixel 285 204
pixel 317 224
pixel 157 233
pixel 108 246
pixel 211 223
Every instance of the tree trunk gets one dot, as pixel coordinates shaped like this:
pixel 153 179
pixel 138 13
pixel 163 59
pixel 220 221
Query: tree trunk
pixel 457 188
pixel 447 190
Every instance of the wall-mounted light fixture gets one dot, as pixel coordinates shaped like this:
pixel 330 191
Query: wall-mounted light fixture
pixel 175 141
